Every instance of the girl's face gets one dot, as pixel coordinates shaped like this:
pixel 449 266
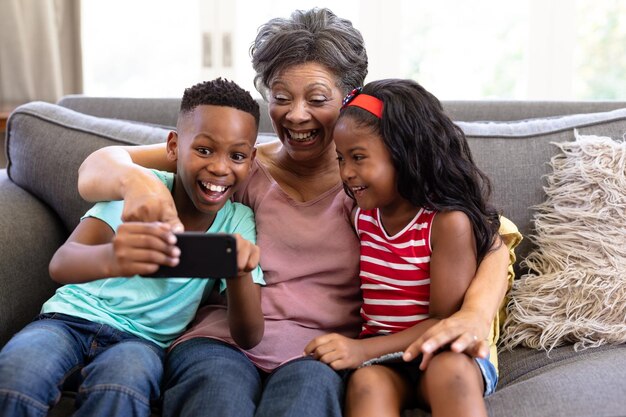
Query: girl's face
pixel 304 103
pixel 366 167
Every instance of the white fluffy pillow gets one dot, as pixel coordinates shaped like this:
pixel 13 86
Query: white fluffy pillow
pixel 576 291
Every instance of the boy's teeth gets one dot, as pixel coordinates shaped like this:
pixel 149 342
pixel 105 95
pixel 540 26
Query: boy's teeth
pixel 213 187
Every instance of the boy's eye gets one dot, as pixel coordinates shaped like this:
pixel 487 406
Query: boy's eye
pixel 358 157
pixel 204 151
pixel 239 157
pixel 340 158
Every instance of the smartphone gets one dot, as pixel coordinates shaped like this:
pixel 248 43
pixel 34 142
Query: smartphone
pixel 395 357
pixel 202 255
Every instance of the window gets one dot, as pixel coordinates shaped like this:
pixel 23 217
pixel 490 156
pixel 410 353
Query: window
pixel 531 49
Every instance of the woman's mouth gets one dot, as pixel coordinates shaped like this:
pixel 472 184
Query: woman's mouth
pixel 302 137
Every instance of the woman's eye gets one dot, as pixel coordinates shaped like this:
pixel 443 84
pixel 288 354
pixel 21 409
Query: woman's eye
pixel 279 98
pixel 318 100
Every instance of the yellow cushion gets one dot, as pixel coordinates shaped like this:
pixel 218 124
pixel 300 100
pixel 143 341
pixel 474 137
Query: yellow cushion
pixel 511 238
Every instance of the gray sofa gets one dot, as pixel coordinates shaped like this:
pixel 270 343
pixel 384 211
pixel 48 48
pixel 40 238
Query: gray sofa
pixel 39 205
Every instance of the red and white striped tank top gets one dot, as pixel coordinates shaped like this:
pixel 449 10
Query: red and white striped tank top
pixel 395 272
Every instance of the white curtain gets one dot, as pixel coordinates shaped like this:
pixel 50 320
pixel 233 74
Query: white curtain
pixel 40 50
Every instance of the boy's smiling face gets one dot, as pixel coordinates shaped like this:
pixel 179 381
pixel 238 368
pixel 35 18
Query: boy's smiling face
pixel 214 150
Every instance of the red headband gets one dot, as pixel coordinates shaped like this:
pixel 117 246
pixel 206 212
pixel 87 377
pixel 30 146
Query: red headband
pixel 364 101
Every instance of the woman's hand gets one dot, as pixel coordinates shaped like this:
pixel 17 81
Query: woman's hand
pixel 338 351
pixel 464 331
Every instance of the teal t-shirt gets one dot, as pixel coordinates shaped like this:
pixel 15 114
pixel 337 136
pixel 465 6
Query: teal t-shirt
pixel 157 309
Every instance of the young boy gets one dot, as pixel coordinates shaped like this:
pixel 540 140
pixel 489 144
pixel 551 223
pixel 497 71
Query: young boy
pixel 117 329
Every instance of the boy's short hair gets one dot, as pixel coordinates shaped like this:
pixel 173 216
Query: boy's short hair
pixel 219 92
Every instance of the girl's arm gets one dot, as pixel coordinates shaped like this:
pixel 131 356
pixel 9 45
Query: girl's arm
pixel 93 251
pixel 245 317
pixel 121 173
pixel 467 329
pixel 452 267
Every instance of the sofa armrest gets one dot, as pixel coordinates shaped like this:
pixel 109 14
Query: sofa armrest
pixel 30 233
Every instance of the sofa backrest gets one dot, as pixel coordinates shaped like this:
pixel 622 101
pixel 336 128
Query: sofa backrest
pixel 46 144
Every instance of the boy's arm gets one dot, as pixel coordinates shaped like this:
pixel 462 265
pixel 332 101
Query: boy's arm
pixel 118 173
pixel 245 317
pixel 93 251
pixel 452 267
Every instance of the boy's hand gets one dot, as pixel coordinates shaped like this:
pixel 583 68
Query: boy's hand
pixel 338 351
pixel 248 255
pixel 147 199
pixel 140 248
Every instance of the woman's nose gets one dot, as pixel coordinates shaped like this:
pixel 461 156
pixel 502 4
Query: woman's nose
pixel 298 112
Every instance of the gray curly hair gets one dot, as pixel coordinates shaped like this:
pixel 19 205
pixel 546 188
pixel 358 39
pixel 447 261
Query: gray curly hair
pixel 315 35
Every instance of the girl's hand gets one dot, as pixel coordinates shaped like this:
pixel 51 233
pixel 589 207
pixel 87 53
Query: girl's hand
pixel 140 248
pixel 248 255
pixel 463 330
pixel 338 351
pixel 147 199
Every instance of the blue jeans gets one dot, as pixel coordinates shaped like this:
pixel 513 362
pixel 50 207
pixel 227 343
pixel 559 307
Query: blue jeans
pixel 121 373
pixel 205 377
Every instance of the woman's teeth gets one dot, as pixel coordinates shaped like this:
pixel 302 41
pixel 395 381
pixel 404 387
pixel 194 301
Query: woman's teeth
pixel 302 137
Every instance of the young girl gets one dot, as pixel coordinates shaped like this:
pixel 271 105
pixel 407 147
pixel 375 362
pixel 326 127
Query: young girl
pixel 424 225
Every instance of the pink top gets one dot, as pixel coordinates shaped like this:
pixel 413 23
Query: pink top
pixel 310 260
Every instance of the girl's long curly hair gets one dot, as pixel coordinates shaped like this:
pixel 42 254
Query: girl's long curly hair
pixel 431 155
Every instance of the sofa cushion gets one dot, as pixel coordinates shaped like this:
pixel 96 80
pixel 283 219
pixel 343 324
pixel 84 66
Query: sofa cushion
pixel 562 383
pixel 576 291
pixel 515 156
pixel 46 144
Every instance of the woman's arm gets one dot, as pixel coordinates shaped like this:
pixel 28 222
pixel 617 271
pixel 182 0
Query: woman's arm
pixel 121 173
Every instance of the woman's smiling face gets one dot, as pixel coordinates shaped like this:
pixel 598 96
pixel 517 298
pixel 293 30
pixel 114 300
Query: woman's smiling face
pixel 304 103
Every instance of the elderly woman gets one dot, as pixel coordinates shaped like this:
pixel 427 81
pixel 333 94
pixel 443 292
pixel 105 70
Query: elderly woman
pixel 304 66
